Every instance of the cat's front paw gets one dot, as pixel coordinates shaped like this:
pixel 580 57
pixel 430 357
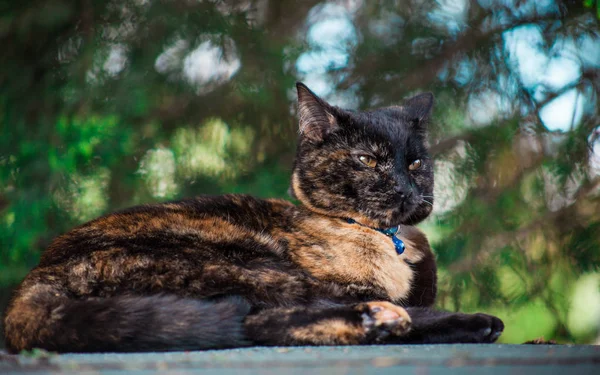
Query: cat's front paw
pixel 481 328
pixel 382 319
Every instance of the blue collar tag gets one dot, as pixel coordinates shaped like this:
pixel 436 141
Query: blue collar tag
pixel 390 232
pixel 398 244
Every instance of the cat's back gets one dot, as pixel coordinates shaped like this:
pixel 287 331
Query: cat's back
pixel 184 225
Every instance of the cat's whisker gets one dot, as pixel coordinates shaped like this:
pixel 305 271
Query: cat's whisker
pixel 425 200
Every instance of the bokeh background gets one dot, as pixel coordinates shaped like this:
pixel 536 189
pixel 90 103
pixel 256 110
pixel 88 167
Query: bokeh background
pixel 106 104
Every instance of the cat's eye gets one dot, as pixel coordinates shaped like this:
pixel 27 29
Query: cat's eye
pixel 368 161
pixel 415 165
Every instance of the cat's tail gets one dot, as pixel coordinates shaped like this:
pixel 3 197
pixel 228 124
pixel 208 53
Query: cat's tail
pixel 41 316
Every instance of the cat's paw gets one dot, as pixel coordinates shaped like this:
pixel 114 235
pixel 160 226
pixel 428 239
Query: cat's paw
pixel 382 319
pixel 482 328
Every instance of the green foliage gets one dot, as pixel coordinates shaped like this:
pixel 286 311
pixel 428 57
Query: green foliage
pixel 102 108
pixel 590 4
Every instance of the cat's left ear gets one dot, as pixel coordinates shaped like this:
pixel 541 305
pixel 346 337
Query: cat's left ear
pixel 418 108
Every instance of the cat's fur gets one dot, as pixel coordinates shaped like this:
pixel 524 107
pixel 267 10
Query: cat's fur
pixel 233 270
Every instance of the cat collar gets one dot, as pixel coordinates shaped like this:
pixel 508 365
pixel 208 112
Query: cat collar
pixel 390 232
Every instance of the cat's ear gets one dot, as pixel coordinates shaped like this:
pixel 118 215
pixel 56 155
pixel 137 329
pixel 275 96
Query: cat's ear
pixel 316 118
pixel 418 108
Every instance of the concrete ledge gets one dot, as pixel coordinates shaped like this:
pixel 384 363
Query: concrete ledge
pixel 417 359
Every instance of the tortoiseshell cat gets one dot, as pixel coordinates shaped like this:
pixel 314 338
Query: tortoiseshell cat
pixel 233 270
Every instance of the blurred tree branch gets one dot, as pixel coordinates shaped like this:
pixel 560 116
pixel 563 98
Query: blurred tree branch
pixel 424 72
pixel 3 203
pixel 449 144
pixel 566 215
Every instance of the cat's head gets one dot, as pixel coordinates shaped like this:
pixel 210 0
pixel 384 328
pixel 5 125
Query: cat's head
pixel 370 166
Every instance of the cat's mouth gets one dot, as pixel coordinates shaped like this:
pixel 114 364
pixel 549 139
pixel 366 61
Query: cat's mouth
pixel 397 216
pixel 406 212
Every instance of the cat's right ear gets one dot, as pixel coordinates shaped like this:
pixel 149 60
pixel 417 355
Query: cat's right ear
pixel 316 118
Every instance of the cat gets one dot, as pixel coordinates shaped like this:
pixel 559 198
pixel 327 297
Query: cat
pixel 234 270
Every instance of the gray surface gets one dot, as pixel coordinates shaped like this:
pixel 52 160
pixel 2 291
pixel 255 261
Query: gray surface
pixel 410 359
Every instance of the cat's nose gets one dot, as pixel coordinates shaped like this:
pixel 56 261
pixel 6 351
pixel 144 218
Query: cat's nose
pixel 402 191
